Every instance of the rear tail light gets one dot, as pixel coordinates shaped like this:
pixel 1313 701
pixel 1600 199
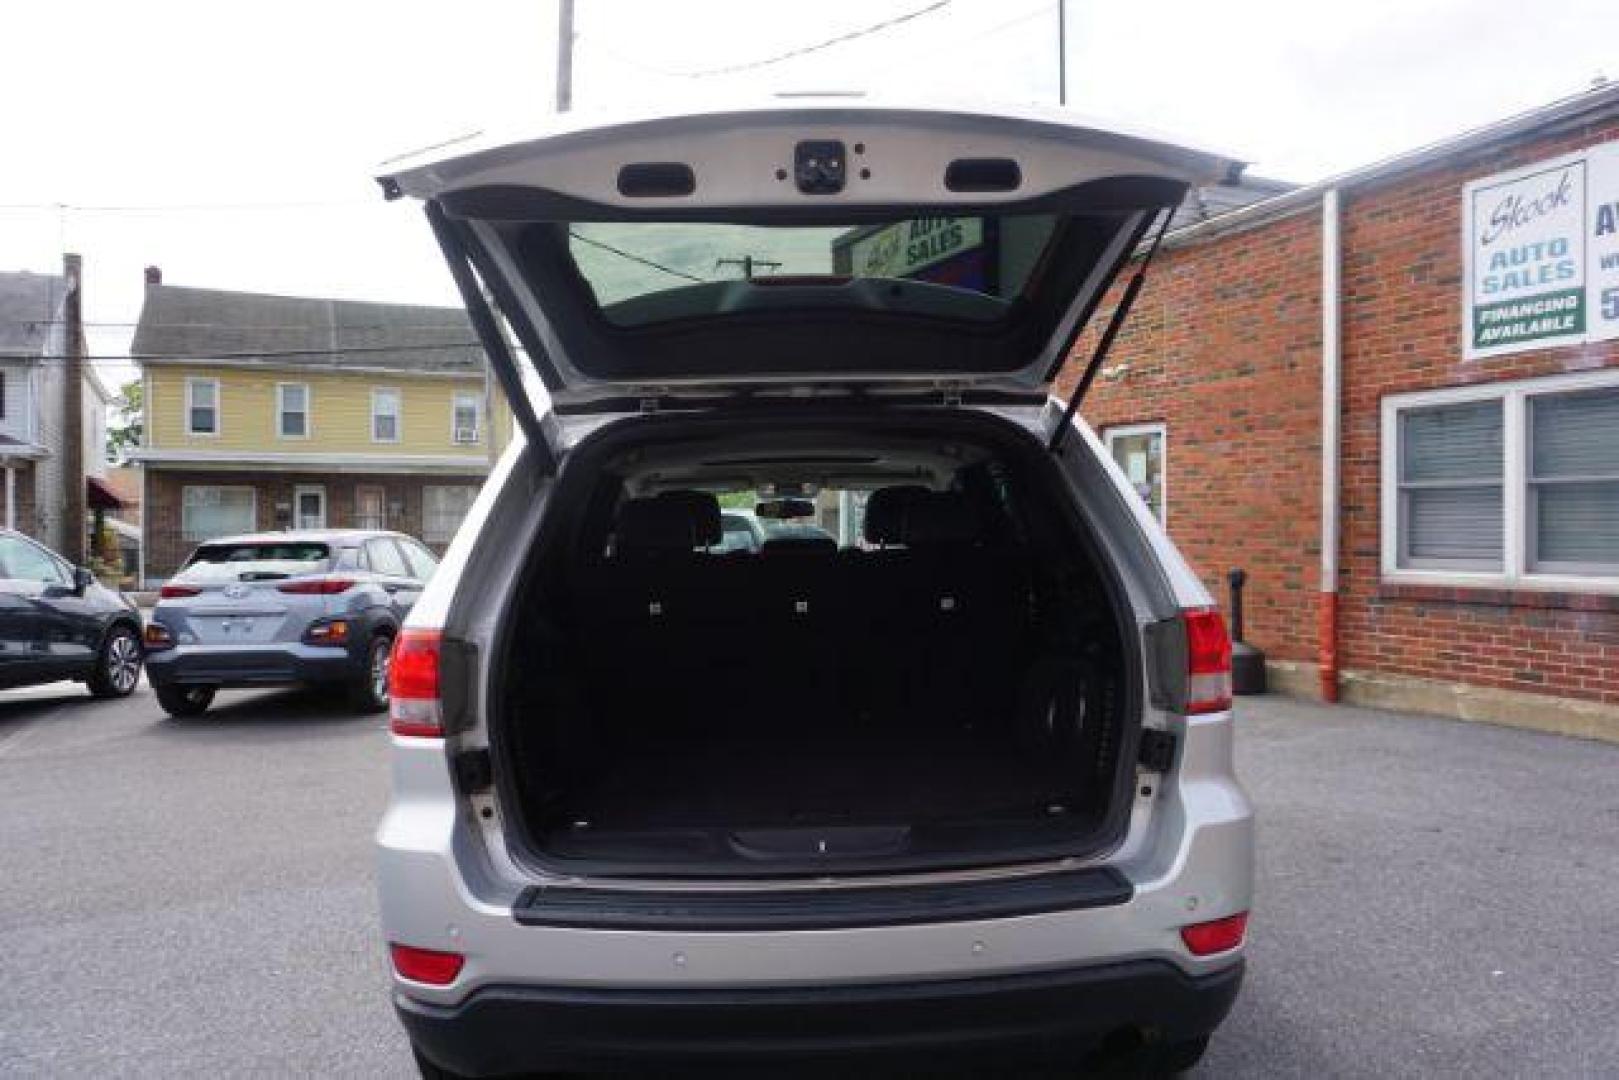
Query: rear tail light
pixel 426 965
pixel 1208 661
pixel 328 632
pixel 157 636
pixel 317 587
pixel 170 592
pixel 1221 935
pixel 413 691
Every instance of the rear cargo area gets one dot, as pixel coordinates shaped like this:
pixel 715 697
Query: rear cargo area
pixel 948 687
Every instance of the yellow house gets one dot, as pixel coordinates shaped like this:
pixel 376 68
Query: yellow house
pixel 274 412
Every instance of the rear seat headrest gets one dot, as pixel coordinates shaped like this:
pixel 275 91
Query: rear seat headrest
pixel 941 517
pixel 886 513
pixel 669 521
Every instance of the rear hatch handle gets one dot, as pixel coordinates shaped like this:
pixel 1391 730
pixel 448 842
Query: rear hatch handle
pixel 1121 311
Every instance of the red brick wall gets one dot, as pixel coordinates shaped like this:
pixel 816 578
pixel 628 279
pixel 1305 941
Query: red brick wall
pixel 1224 347
pixel 166 549
pixel 1402 280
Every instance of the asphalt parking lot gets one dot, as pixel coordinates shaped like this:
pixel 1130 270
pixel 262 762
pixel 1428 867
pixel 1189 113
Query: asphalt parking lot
pixel 195 898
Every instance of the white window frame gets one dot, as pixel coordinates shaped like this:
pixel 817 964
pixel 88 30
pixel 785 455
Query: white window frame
pixel 281 389
pixel 1158 428
pixel 459 398
pixel 253 501
pixel 1516 573
pixel 219 412
pixel 377 394
pixel 298 492
pixel 433 536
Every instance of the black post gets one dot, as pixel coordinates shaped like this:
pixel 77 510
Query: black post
pixel 1247 662
pixel 1238 578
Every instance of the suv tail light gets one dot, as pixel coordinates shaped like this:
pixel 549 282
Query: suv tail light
pixel 413 701
pixel 426 965
pixel 1208 661
pixel 157 636
pixel 317 587
pixel 1218 936
pixel 170 592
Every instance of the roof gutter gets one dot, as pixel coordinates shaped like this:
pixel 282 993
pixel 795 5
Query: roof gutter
pixel 1559 114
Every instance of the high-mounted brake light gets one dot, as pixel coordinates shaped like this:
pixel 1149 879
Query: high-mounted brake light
pixel 317 587
pixel 170 592
pixel 426 965
pixel 1218 936
pixel 413 692
pixel 1208 661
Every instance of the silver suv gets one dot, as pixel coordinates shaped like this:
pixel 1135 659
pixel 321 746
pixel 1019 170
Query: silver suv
pixel 948 777
pixel 317 607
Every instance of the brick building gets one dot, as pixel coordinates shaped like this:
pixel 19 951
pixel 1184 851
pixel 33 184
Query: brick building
pixel 1318 388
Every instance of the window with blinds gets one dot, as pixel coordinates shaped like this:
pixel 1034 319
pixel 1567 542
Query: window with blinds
pixel 1573 477
pixel 1451 504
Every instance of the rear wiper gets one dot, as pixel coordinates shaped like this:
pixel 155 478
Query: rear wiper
pixel 1114 325
pixel 261 575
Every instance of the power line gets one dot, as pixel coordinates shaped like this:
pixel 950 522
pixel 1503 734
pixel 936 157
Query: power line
pixel 274 354
pixel 804 50
pixel 636 258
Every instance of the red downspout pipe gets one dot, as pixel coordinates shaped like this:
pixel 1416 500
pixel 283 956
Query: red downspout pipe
pixel 1331 411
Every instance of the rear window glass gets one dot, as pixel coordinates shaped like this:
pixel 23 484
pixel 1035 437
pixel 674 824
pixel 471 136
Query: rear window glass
pixel 960 267
pixel 247 562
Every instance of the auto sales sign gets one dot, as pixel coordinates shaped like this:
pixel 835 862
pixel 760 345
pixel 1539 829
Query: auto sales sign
pixel 1541 255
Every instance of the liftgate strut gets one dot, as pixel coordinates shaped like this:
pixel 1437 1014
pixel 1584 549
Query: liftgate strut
pixel 1120 312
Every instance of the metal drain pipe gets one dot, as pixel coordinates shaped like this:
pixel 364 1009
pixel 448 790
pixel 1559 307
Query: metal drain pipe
pixel 1331 390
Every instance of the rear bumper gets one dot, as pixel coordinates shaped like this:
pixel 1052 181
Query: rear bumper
pixel 501 1030
pixel 277 664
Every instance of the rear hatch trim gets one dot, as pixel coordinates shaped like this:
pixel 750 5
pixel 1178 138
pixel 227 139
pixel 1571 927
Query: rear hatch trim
pixel 730 910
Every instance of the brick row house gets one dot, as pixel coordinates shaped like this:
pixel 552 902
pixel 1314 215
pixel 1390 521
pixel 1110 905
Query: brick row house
pixel 1392 397
pixel 273 412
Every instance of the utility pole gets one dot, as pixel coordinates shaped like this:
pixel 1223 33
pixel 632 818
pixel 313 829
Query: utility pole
pixel 747 263
pixel 1062 52
pixel 564 55
pixel 73 509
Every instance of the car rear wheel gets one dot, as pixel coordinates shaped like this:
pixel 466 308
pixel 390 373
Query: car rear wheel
pixel 369 691
pixel 118 665
pixel 185 700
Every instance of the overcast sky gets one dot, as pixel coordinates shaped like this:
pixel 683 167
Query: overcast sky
pixel 240 140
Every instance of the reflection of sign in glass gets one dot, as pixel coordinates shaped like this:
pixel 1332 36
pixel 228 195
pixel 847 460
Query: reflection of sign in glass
pixel 905 247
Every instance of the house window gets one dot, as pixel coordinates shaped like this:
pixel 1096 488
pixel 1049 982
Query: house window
pixel 1139 450
pixel 384 415
pixel 443 508
pixel 1573 475
pixel 1512 484
pixel 207 511
pixel 370 507
pixel 465 418
pixel 292 410
pixel 202 406
pixel 1451 486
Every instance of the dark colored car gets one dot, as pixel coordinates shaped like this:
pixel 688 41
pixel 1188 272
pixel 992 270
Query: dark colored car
pixel 58 622
pixel 272 609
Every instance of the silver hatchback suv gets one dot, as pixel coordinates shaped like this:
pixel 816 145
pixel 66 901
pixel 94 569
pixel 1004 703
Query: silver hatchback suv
pixel 943 777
